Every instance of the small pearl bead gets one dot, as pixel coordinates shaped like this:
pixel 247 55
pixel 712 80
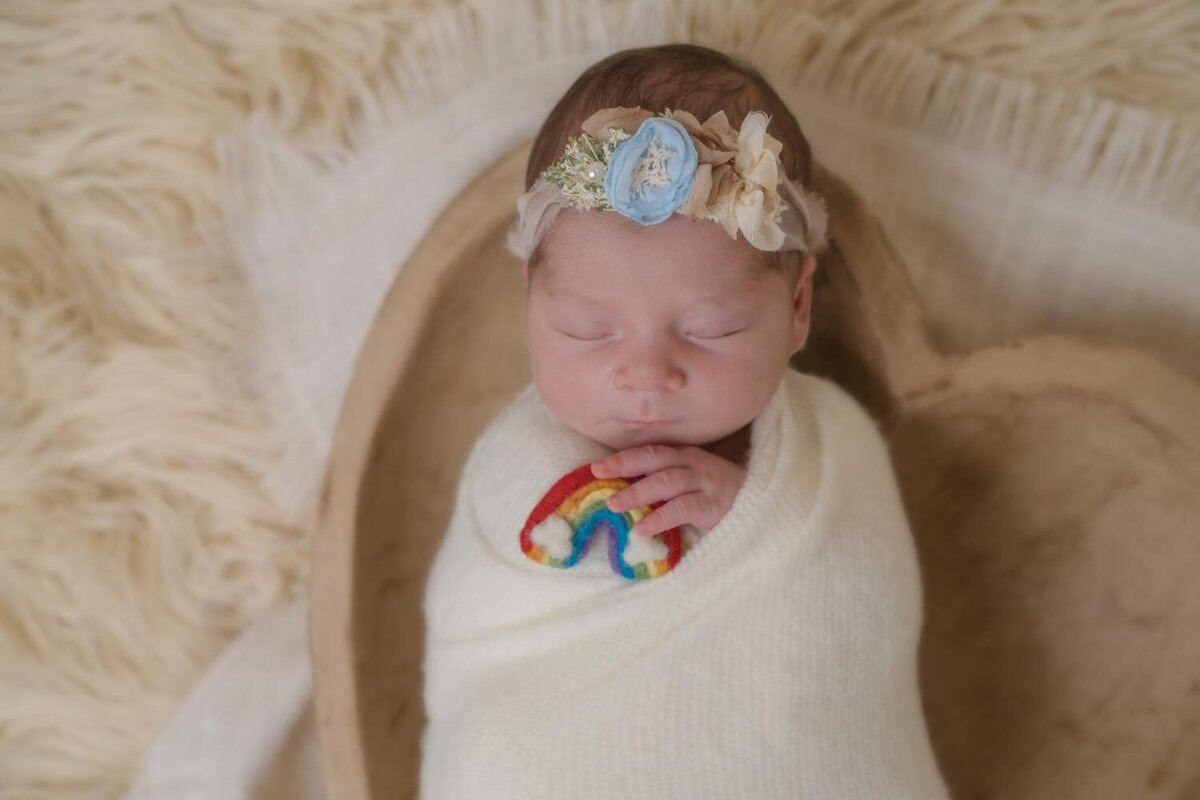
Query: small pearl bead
pixel 594 172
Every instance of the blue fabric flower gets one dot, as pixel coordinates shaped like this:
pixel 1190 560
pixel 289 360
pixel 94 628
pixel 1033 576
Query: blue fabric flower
pixel 650 174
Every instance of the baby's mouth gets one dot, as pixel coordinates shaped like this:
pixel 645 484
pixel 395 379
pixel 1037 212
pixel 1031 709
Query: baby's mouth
pixel 645 423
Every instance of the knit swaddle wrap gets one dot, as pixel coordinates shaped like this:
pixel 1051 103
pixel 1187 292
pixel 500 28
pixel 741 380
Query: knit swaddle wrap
pixel 777 659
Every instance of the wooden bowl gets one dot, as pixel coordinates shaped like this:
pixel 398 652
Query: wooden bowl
pixel 1053 486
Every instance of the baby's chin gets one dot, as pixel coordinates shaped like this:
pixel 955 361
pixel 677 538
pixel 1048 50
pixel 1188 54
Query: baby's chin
pixel 620 437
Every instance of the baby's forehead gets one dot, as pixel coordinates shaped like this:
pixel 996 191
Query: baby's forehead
pixel 593 241
pixel 566 285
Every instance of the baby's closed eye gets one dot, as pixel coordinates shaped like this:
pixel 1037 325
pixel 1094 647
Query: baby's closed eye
pixel 715 331
pixel 585 336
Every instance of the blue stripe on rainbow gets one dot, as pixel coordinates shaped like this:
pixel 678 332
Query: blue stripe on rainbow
pixel 579 499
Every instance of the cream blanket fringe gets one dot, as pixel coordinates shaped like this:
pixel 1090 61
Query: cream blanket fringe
pixel 135 535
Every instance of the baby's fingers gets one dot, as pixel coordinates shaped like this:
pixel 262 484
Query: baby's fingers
pixel 681 510
pixel 641 461
pixel 658 486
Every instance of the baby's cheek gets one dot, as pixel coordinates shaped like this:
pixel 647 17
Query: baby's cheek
pixel 737 372
pixel 739 390
pixel 563 382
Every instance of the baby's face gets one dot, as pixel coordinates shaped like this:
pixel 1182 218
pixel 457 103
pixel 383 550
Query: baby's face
pixel 671 324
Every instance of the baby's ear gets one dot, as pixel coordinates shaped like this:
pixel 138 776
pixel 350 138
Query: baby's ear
pixel 802 302
pixel 802 293
pixel 808 265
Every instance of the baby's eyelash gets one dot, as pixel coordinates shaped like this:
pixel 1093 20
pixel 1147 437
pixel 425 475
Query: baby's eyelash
pixel 720 336
pixel 609 336
pixel 585 338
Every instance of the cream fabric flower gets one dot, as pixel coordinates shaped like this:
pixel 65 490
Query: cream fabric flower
pixel 737 177
pixel 716 140
pixel 756 197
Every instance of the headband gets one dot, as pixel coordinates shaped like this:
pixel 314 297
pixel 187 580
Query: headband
pixel 649 166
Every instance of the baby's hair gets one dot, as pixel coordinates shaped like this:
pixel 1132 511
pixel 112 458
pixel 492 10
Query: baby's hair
pixel 687 77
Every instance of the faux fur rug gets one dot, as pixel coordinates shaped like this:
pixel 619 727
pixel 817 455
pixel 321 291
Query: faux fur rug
pixel 143 514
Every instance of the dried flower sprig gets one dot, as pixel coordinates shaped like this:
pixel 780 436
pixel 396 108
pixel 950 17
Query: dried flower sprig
pixel 580 171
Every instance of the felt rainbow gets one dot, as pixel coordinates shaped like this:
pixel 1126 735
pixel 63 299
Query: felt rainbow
pixel 575 510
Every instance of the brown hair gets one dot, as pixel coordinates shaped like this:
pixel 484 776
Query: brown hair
pixel 678 76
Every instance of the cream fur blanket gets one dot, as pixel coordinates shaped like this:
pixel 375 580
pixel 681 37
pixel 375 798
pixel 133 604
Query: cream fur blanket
pixel 777 659
pixel 1036 160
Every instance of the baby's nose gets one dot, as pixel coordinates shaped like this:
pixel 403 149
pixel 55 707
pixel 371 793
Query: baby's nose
pixel 649 373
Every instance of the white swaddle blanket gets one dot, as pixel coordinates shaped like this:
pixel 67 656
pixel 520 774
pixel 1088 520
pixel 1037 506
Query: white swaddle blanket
pixel 777 659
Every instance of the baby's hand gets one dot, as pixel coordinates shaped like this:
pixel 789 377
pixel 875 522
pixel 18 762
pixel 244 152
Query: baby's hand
pixel 699 485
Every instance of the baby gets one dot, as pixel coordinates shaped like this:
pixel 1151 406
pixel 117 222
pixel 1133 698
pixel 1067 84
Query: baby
pixel 675 566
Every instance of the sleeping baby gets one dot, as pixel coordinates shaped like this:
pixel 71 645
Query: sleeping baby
pixel 675 567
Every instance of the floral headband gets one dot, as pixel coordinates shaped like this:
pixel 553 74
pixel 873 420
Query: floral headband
pixel 649 166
